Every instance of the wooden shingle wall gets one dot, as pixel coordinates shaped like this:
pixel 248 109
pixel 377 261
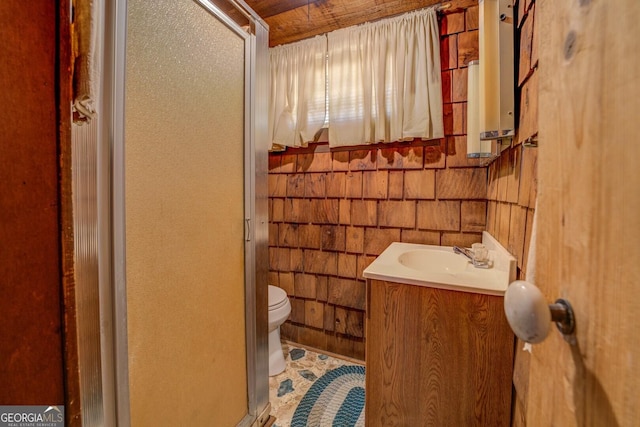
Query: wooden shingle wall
pixel 512 183
pixel 332 211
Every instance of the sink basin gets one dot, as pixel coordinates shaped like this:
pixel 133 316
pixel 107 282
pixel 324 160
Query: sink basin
pixel 437 261
pixel 440 267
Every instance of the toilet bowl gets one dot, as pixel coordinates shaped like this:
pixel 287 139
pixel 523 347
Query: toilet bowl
pixel 279 310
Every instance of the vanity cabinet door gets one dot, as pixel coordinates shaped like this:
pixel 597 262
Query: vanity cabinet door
pixel 436 357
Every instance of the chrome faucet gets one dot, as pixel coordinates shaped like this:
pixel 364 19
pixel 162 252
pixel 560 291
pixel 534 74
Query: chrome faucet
pixel 478 263
pixel 463 251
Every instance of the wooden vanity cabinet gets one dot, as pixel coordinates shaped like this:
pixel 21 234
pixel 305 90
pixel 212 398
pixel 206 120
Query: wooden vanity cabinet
pixel 436 357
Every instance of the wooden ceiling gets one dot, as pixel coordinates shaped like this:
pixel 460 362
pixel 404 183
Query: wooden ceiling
pixel 293 20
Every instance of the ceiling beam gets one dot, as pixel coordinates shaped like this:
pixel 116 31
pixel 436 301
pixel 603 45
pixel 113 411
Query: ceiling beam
pixel 324 16
pixel 269 8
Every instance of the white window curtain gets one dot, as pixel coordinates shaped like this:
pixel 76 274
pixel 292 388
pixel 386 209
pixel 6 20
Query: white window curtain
pixel 384 81
pixel 298 91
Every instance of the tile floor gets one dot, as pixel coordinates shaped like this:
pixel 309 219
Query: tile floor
pixel 304 366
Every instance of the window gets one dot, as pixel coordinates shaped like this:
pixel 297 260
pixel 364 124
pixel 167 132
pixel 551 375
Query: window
pixel 379 82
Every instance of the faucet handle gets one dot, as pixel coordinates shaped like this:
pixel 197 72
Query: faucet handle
pixel 480 252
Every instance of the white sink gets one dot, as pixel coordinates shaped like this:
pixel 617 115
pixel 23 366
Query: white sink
pixel 426 259
pixel 440 267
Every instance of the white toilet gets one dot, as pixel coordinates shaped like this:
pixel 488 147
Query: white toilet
pixel 279 310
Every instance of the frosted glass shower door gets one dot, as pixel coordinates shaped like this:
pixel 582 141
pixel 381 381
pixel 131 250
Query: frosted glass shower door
pixel 184 215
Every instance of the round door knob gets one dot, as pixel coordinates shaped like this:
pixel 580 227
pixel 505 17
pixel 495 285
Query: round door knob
pixel 529 315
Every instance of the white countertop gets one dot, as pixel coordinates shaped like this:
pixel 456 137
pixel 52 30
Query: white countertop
pixel 492 281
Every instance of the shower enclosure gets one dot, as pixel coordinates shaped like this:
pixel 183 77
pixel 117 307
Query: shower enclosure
pixel 176 218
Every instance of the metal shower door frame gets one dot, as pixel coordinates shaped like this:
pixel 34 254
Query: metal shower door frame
pixel 256 203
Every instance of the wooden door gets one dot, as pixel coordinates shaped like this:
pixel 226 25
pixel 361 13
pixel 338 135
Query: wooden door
pixel 34 145
pixel 589 212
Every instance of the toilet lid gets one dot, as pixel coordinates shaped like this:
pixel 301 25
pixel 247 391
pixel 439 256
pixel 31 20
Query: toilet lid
pixel 277 297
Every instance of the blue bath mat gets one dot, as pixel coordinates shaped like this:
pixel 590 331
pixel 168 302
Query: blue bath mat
pixel 336 399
